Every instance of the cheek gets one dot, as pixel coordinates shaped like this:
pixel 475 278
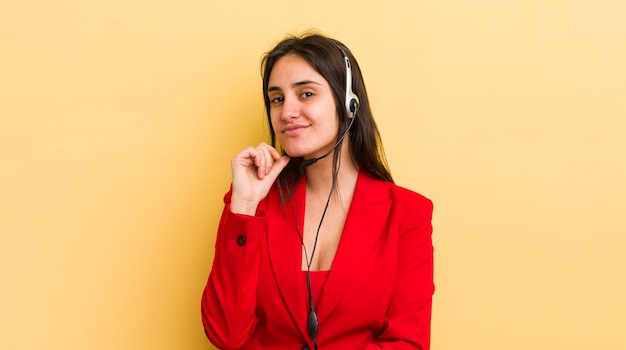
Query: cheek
pixel 273 118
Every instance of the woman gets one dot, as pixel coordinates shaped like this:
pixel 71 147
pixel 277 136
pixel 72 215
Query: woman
pixel 317 247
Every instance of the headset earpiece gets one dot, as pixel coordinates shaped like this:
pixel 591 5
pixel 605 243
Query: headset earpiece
pixel 352 100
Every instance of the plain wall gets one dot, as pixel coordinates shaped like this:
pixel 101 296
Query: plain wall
pixel 118 120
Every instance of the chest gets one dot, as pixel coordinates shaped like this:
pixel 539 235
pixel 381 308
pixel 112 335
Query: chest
pixel 322 231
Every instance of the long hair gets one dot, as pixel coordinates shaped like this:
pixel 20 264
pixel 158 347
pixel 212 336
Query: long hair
pixel 326 57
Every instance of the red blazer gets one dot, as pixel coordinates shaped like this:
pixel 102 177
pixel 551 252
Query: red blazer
pixel 378 294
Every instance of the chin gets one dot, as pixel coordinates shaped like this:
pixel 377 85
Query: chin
pixel 295 154
pixel 304 152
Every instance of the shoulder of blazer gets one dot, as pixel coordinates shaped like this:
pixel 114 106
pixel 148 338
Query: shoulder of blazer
pixel 405 195
pixel 381 190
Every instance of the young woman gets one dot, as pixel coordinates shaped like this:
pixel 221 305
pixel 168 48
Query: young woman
pixel 317 247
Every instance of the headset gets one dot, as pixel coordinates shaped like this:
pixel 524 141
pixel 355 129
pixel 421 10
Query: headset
pixel 352 104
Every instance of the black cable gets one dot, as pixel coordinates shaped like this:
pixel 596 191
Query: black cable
pixel 312 321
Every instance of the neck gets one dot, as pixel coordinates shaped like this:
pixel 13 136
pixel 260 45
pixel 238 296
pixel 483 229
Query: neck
pixel 319 176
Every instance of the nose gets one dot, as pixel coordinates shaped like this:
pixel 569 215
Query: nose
pixel 291 108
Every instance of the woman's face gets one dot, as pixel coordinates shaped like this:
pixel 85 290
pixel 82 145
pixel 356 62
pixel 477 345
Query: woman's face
pixel 302 108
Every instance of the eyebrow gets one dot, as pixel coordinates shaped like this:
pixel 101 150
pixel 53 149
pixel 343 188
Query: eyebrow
pixel 296 84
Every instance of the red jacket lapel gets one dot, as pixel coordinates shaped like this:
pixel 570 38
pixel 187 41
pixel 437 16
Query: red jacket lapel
pixel 365 222
pixel 285 252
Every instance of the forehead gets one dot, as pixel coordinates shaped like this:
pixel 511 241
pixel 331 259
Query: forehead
pixel 291 69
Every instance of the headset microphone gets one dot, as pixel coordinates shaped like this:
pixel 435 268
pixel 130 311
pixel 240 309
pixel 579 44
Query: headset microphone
pixel 312 161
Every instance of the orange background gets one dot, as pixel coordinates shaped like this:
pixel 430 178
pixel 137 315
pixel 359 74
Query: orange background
pixel 118 120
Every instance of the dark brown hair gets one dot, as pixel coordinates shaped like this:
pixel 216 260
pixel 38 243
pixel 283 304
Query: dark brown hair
pixel 326 57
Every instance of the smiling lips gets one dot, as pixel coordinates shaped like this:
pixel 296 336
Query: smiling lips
pixel 294 129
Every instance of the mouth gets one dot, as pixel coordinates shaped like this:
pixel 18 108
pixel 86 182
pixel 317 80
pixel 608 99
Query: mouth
pixel 293 129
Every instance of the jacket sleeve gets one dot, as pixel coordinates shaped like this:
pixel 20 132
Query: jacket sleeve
pixel 229 299
pixel 408 317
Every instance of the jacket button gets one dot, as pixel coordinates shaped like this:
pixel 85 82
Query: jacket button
pixel 241 240
pixel 306 347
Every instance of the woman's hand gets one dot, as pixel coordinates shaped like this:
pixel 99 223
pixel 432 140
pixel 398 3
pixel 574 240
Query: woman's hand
pixel 254 172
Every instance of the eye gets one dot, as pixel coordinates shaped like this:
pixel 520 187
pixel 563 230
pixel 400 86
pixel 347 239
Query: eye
pixel 307 94
pixel 276 100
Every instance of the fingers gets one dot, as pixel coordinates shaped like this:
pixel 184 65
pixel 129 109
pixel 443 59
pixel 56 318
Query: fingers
pixel 254 171
pixel 270 162
pixel 274 153
pixel 261 159
pixel 265 160
pixel 278 166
